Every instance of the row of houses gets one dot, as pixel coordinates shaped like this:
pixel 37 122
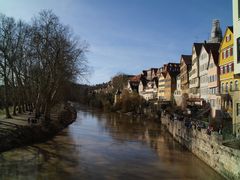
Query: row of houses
pixel 211 74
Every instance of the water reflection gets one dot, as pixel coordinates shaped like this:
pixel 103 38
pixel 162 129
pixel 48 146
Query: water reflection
pixel 105 146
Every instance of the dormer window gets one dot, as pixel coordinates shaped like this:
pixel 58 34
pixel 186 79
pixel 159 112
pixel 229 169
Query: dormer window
pixel 228 38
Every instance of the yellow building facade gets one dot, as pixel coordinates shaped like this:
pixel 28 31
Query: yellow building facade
pixel 228 82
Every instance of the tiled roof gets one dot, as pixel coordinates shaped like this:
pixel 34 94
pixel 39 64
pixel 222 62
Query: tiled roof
pixel 231 28
pixel 187 59
pixel 211 46
pixel 154 69
pixel 173 74
pixel 198 47
pixel 136 78
pixel 164 74
pixel 215 55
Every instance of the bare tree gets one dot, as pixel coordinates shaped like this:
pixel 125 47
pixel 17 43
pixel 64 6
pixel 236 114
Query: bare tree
pixel 59 58
pixel 37 61
pixel 7 26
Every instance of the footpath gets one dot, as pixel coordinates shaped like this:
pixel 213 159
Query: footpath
pixel 24 129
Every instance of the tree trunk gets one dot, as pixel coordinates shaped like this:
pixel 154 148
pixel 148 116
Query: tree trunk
pixel 37 107
pixel 14 109
pixel 47 110
pixel 27 106
pixel 19 109
pixel 6 96
pixel 23 107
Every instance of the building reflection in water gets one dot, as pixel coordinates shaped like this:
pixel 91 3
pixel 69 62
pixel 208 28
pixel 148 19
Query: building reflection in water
pixel 105 146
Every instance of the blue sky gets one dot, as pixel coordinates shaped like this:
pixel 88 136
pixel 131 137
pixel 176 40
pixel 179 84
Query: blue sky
pixel 130 35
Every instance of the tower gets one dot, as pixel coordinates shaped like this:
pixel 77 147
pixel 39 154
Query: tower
pixel 216 33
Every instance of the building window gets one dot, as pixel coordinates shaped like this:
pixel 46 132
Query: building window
pixel 238 49
pixel 225 69
pixel 231 86
pixel 222 87
pixel 236 85
pixel 226 88
pixel 228 38
pixel 238 109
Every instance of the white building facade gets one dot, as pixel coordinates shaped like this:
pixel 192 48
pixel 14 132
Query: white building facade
pixel 178 92
pixel 194 81
pixel 203 73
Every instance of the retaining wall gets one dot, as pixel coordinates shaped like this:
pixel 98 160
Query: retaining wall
pixel 208 148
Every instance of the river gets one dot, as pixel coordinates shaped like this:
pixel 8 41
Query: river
pixel 105 146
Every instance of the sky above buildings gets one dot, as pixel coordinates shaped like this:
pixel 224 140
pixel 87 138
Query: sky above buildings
pixel 130 35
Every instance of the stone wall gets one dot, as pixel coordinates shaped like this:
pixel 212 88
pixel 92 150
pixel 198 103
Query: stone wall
pixel 208 148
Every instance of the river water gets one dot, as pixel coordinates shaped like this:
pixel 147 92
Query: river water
pixel 105 146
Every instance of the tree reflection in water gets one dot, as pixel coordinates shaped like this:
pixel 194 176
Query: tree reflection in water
pixel 105 146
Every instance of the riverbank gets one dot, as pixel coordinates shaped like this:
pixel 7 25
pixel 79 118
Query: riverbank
pixel 22 135
pixel 101 145
pixel 208 148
